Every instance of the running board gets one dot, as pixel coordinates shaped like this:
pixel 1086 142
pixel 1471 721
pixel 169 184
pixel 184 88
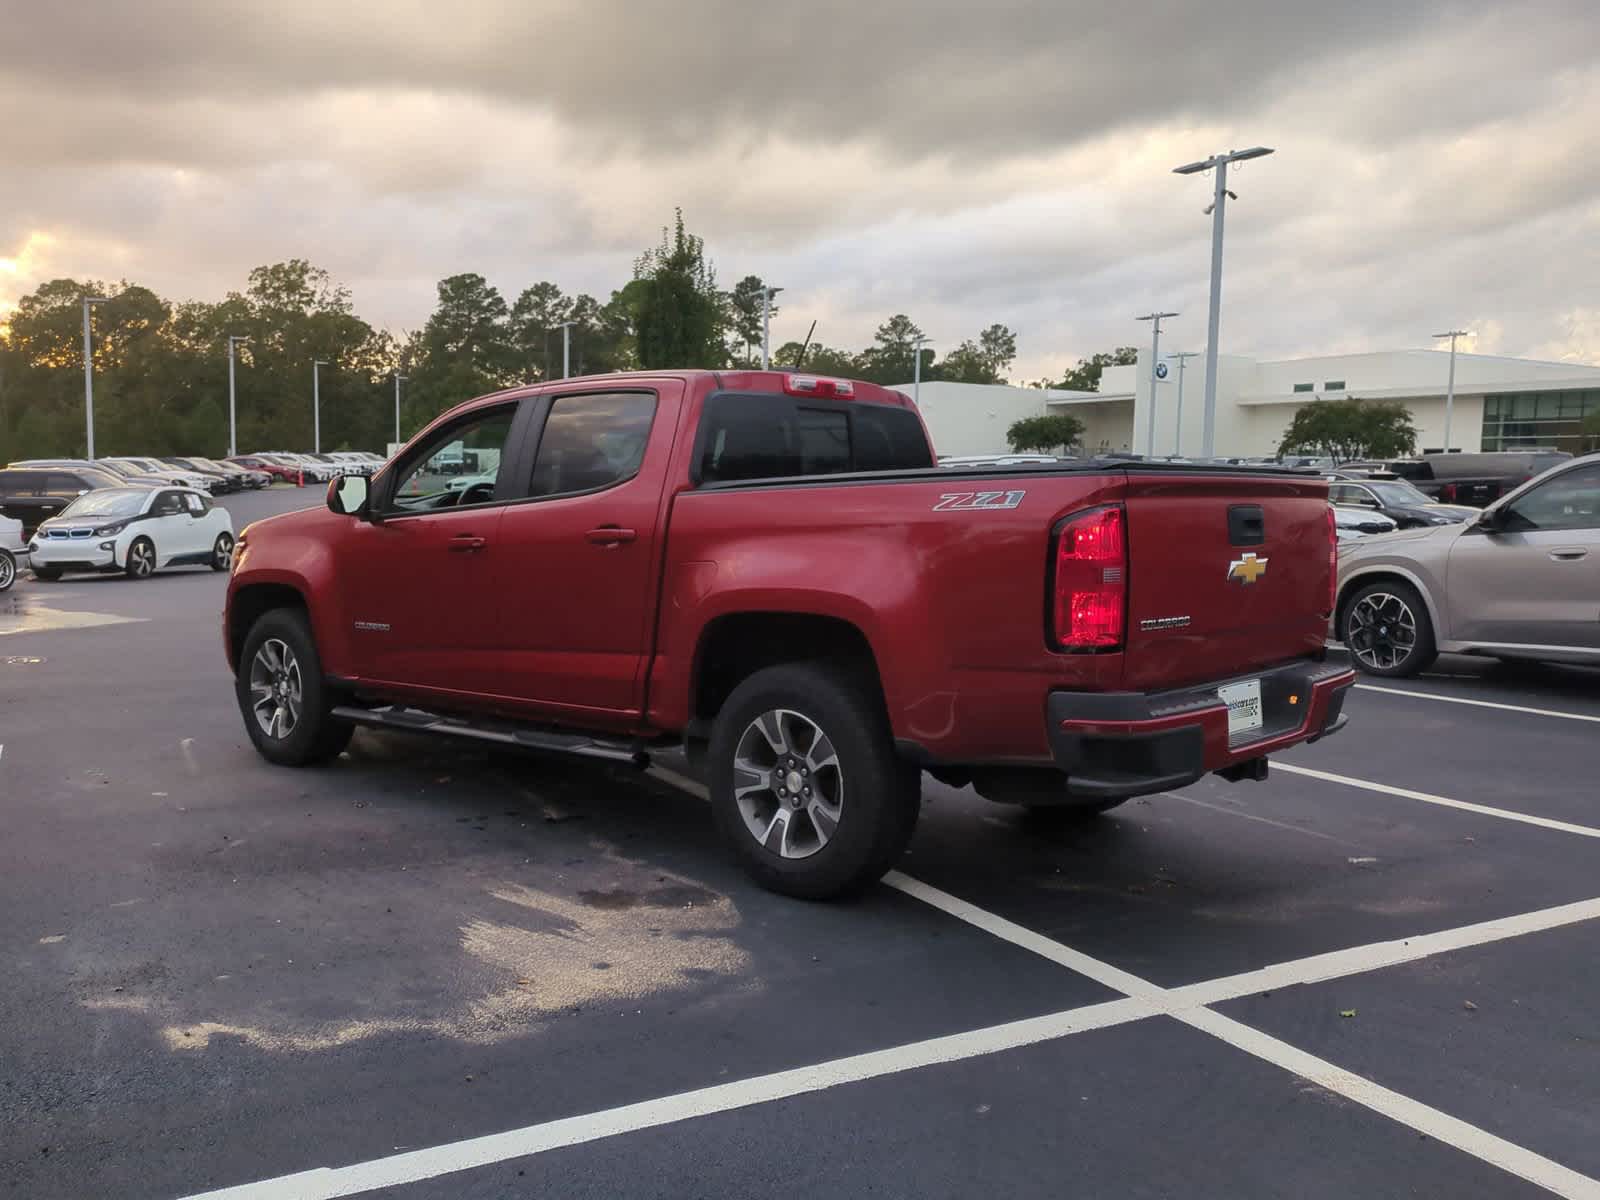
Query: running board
pixel 416 720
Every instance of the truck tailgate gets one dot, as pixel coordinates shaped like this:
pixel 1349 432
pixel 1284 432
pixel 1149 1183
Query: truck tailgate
pixel 1220 570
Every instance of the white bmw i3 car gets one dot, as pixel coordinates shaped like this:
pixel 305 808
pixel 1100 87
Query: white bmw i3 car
pixel 135 531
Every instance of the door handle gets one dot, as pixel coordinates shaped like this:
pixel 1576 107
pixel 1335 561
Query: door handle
pixel 1564 555
pixel 465 543
pixel 610 535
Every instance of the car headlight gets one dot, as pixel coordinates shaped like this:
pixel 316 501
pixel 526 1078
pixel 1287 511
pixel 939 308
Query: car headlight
pixel 110 530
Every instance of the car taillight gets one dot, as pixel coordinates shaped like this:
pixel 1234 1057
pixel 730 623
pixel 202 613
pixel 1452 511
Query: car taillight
pixel 1091 580
pixel 1447 493
pixel 1333 560
pixel 816 385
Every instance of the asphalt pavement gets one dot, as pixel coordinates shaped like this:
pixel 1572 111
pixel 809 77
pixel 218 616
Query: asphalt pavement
pixel 433 971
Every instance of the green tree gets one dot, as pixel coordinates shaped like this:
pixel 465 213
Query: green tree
pixel 889 360
pixel 1350 428
pixel 1051 433
pixel 998 346
pixel 744 305
pixel 678 314
pixel 1085 377
pixel 967 363
pixel 535 330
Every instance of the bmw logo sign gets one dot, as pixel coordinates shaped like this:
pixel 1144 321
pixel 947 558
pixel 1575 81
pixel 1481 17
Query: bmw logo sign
pixel 1161 370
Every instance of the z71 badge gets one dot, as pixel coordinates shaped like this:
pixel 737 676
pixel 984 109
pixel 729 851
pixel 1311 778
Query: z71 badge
pixel 964 501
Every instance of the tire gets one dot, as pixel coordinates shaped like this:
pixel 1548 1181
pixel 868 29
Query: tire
pixel 141 562
pixel 46 574
pixel 278 664
pixel 222 552
pixel 8 570
pixel 1386 627
pixel 791 716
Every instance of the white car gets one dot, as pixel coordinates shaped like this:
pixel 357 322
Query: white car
pixel 133 530
pixel 1351 523
pixel 12 547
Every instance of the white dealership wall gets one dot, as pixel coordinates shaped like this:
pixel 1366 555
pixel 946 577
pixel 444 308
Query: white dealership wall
pixel 972 418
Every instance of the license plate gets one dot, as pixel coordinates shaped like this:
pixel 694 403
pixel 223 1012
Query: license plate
pixel 1244 706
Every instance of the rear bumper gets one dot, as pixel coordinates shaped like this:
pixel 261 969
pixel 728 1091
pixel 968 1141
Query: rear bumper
pixel 1117 744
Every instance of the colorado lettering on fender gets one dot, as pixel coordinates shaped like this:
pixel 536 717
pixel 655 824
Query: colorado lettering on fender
pixel 970 501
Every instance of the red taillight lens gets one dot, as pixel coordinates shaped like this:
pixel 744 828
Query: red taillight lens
pixel 1447 494
pixel 1333 560
pixel 1091 581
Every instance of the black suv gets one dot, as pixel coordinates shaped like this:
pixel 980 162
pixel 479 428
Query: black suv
pixel 35 494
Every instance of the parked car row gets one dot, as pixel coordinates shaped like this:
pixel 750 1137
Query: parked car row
pixel 309 468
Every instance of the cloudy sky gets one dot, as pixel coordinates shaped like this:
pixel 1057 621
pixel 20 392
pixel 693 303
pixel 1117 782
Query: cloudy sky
pixel 1437 164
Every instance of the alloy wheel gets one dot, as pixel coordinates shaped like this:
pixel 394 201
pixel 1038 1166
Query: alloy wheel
pixel 8 571
pixel 1381 630
pixel 787 783
pixel 276 689
pixel 143 556
pixel 222 553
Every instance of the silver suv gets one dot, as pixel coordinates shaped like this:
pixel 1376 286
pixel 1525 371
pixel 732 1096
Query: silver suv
pixel 1520 581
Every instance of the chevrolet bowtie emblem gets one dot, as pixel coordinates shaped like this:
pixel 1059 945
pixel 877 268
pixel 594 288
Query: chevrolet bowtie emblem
pixel 1247 570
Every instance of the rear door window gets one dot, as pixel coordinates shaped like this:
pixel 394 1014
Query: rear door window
pixel 592 442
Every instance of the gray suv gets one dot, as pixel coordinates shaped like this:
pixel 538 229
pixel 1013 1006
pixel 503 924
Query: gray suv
pixel 1520 581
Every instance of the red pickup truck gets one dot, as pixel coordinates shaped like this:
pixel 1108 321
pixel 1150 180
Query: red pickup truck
pixel 771 570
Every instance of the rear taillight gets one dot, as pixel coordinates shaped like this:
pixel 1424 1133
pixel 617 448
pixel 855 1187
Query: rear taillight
pixel 1447 493
pixel 1090 602
pixel 1333 561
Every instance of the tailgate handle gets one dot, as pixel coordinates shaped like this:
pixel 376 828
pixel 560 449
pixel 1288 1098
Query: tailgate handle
pixel 1247 525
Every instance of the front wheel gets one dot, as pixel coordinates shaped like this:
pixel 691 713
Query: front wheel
pixel 222 552
pixel 287 708
pixel 1387 630
pixel 141 559
pixel 8 570
pixel 806 788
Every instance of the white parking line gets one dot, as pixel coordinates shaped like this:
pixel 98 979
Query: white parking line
pixel 1180 1004
pixel 327 1183
pixel 1520 708
pixel 1485 810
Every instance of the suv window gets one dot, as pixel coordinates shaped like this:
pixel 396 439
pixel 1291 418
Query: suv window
pixel 592 442
pixel 59 484
pixel 767 437
pixel 422 483
pixel 21 483
pixel 1570 501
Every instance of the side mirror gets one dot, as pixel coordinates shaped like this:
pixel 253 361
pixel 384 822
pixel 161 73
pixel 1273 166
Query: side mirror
pixel 347 495
pixel 1490 520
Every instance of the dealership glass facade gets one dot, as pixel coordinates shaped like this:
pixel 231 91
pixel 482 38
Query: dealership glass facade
pixel 1520 420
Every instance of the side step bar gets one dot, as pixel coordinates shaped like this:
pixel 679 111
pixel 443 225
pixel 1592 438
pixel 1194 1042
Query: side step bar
pixel 416 720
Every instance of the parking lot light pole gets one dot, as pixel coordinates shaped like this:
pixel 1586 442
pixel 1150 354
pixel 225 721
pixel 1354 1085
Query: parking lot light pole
pixel 1155 320
pixel 316 407
pixel 1219 163
pixel 398 380
pixel 1449 387
pixel 88 371
pixel 916 367
pixel 566 348
pixel 1183 357
pixel 233 424
pixel 767 293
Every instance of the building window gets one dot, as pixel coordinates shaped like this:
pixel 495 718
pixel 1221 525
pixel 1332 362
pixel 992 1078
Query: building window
pixel 1304 387
pixel 1333 385
pixel 1538 420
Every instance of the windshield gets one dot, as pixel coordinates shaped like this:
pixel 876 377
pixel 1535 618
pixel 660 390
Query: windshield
pixel 1397 491
pixel 109 502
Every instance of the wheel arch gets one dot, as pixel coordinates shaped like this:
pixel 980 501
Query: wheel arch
pixel 250 603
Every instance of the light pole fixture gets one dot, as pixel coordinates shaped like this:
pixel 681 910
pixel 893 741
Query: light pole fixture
pixel 316 407
pixel 767 293
pixel 233 424
pixel 566 348
pixel 1183 357
pixel 88 371
pixel 398 380
pixel 916 367
pixel 1155 320
pixel 1449 388
pixel 1219 202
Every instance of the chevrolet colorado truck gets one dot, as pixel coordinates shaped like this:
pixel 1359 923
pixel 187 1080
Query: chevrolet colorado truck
pixel 770 570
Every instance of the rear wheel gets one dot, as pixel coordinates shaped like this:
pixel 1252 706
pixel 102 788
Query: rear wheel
pixel 222 552
pixel 8 570
pixel 1387 630
pixel 287 708
pixel 141 559
pixel 806 788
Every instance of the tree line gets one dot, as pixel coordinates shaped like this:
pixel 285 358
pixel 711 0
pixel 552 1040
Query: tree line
pixel 161 367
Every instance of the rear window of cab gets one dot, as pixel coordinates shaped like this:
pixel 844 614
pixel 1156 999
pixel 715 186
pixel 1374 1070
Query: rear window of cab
pixel 769 436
